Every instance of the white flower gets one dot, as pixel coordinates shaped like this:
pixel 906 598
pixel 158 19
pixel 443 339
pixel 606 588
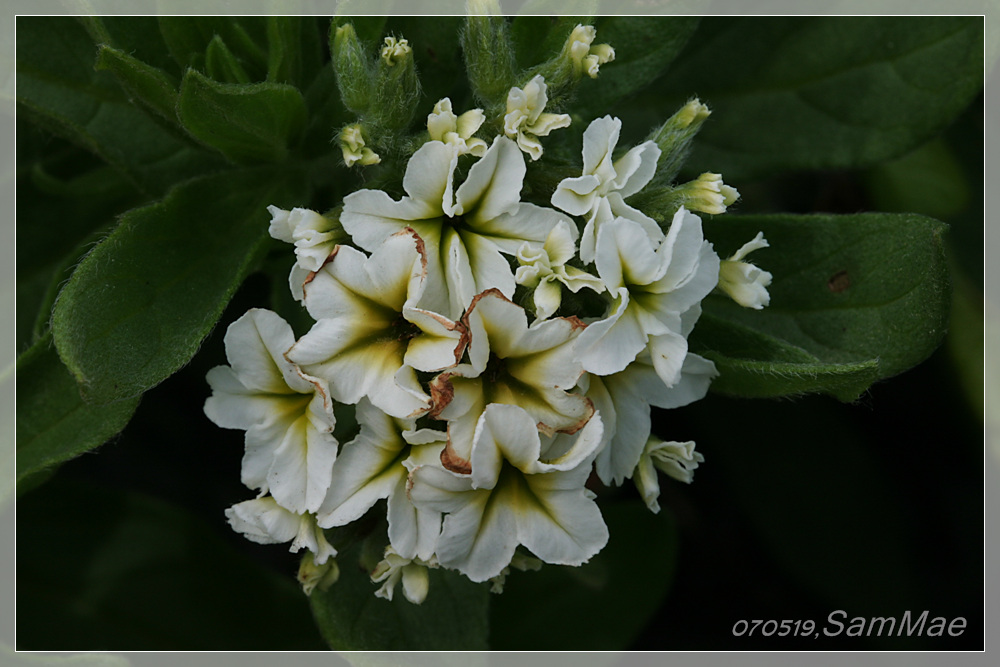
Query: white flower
pixel 525 120
pixel 395 50
pixel 544 267
pixel 515 494
pixel 708 194
pixel 742 281
pixel 623 401
pixel 412 572
pixel 599 193
pixel 370 338
pixel 456 131
pixel 511 363
pixel 585 57
pixel 290 448
pixel 314 236
pixel 676 459
pixel 375 465
pixel 264 521
pixel 653 290
pixel 352 145
pixel 464 231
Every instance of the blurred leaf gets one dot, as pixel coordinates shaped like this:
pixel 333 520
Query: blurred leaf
pixel 855 298
pixel 222 65
pixel 188 37
pixel 142 575
pixel 645 47
pixel 53 422
pixel 538 38
pixel 326 115
pixel 246 123
pixel 824 92
pixel 151 86
pixel 294 49
pixel 600 606
pixel 58 89
pixel 138 36
pixel 437 55
pixel 928 181
pixel 370 29
pixel 965 342
pixel 138 307
pixel 66 198
pixel 453 617
pixel 56 213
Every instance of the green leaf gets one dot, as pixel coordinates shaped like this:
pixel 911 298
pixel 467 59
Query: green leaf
pixel 58 89
pixel 138 307
pixel 855 298
pixel 54 424
pixel 825 92
pixel 188 37
pixel 222 65
pixel 151 86
pixel 246 123
pixel 453 617
pixel 644 47
pixel 144 576
pixel 600 606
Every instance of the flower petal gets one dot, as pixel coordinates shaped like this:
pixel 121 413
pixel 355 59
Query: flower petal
pixel 493 186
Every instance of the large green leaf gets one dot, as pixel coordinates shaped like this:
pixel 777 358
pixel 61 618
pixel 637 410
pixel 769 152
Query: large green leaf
pixel 824 92
pixel 600 606
pixel 103 569
pixel 58 88
pixel 54 424
pixel 855 298
pixel 138 307
pixel 453 617
pixel 245 122
pixel 644 47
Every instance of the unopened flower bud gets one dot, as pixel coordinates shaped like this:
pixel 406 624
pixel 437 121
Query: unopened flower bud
pixel 489 53
pixel 312 576
pixel 397 88
pixel 352 143
pixel 354 75
pixel 674 139
pixel 708 194
pixel 743 282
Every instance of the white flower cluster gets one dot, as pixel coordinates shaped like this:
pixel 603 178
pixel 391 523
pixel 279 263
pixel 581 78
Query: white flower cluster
pixel 480 422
